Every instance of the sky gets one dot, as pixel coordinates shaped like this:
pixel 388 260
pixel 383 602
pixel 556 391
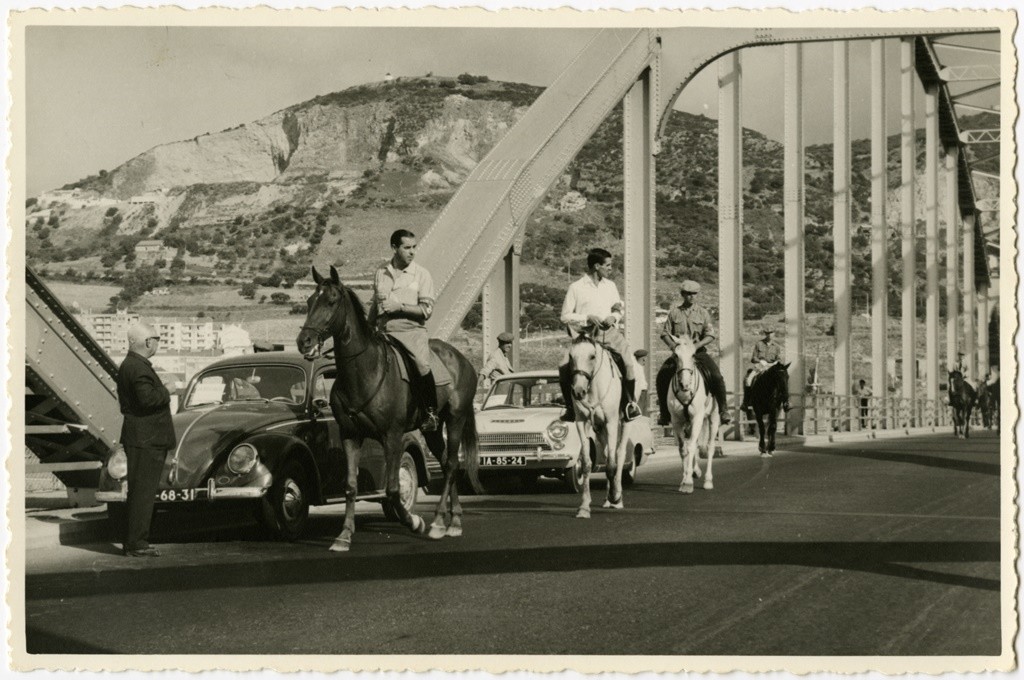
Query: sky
pixel 98 96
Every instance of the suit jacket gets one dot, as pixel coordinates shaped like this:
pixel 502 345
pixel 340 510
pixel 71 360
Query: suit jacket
pixel 145 404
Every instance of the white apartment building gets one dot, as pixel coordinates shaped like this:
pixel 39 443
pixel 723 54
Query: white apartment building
pixel 176 335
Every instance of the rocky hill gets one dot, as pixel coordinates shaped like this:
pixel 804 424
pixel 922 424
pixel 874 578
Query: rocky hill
pixel 326 180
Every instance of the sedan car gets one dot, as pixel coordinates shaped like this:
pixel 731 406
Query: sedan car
pixel 521 434
pixel 258 428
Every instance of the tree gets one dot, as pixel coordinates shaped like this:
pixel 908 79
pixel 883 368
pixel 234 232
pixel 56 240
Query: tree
pixel 177 266
pixel 137 282
pixel 280 298
pixel 248 291
pixel 160 264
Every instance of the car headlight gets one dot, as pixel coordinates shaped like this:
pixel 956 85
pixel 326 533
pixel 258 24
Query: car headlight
pixel 242 459
pixel 557 432
pixel 117 464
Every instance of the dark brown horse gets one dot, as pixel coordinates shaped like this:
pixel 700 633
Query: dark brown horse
pixel 988 403
pixel 370 399
pixel 961 399
pixel 767 394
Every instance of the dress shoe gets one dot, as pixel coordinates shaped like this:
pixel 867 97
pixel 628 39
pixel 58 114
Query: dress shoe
pixel 148 551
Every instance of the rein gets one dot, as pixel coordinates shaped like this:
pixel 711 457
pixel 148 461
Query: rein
pixel 689 389
pixel 590 380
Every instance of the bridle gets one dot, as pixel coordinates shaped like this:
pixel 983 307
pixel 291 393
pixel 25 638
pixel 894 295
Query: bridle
pixel 685 390
pixel 325 332
pixel 589 375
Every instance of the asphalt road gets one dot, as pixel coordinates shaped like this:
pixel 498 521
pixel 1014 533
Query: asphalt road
pixel 890 547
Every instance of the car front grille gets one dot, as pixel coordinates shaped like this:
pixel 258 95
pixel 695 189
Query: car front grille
pixel 513 441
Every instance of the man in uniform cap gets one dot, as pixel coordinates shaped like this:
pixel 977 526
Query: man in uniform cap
pixel 961 366
pixel 497 363
pixel 766 352
pixel 146 434
pixel 693 320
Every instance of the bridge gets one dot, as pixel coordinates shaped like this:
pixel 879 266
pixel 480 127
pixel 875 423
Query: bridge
pixel 635 67
pixel 474 246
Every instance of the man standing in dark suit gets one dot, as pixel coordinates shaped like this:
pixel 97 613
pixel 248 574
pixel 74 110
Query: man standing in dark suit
pixel 147 434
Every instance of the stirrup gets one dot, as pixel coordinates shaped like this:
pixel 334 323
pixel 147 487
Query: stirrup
pixel 632 411
pixel 430 422
pixel 786 407
pixel 664 421
pixel 723 418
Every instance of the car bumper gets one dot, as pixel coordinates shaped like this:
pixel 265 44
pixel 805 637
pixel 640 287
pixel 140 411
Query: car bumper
pixel 192 495
pixel 518 460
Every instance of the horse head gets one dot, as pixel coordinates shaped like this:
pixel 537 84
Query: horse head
pixel 584 360
pixel 956 383
pixel 325 316
pixel 686 374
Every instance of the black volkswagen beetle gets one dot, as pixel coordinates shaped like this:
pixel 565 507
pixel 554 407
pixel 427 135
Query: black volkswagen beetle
pixel 259 428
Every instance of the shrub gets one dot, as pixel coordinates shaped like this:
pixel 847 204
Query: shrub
pixel 280 298
pixel 111 211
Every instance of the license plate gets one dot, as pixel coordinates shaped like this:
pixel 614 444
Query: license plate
pixel 177 495
pixel 503 460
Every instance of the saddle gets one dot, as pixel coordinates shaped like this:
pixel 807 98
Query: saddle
pixel 407 365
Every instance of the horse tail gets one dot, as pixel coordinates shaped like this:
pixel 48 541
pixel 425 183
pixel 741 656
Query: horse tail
pixel 471 445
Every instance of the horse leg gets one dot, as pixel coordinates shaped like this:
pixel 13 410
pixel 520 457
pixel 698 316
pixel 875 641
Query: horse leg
pixel 713 426
pixel 613 467
pixel 392 456
pixel 773 426
pixel 454 516
pixel 449 491
pixel 760 433
pixel 584 510
pixel 343 541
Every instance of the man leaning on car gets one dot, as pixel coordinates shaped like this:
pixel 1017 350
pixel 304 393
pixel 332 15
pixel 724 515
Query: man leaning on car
pixel 147 434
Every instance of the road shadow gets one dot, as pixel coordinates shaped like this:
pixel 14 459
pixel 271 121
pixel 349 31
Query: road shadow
pixel 925 459
pixel 883 558
pixel 41 642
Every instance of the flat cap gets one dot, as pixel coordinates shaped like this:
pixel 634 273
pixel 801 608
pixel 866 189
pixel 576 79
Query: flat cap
pixel 640 353
pixel 690 287
pixel 505 337
pixel 765 330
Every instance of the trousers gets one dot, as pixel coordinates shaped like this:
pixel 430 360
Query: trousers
pixel 145 467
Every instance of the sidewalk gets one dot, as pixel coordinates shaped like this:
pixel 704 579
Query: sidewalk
pixel 50 521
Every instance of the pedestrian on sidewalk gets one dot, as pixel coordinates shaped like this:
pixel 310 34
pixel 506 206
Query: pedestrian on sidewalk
pixel 146 434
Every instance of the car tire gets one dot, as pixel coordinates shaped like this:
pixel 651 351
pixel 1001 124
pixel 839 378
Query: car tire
pixel 286 507
pixel 408 487
pixel 573 476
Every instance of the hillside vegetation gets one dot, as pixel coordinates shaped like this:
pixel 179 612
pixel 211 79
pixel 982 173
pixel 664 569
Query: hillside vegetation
pixel 327 180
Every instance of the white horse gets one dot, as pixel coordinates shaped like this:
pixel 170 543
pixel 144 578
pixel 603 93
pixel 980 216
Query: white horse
pixel 596 392
pixel 695 417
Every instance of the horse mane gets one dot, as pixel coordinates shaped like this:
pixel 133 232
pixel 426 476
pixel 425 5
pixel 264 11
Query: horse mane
pixel 357 307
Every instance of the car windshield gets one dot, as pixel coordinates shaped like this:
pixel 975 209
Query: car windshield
pixel 525 393
pixel 248 383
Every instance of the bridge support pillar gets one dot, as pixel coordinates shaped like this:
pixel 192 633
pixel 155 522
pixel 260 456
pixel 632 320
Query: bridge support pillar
pixel 730 228
pixel 983 363
pixel 841 275
pixel 501 302
pixel 879 233
pixel 952 256
pixel 639 111
pixel 970 303
pixel 908 163
pixel 794 233
pixel 931 208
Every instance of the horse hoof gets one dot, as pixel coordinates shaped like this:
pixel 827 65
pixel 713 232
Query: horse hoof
pixel 686 488
pixel 765 454
pixel 453 532
pixel 708 486
pixel 340 546
pixel 437 533
pixel 418 525
pixel 617 506
pixel 583 513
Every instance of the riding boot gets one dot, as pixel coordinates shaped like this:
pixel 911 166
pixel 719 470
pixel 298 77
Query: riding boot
pixel 428 398
pixel 632 411
pixel 565 381
pixel 662 383
pixel 723 410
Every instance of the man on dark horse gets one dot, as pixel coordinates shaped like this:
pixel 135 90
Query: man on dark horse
pixel 403 300
pixel 766 352
pixel 961 367
pixel 693 320
pixel 593 300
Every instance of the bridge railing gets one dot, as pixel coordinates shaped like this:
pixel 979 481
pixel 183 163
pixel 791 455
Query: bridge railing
pixel 828 413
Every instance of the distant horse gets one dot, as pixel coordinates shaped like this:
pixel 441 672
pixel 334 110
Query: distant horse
pixel 596 397
pixel 370 399
pixel 961 399
pixel 988 403
pixel 695 417
pixel 766 395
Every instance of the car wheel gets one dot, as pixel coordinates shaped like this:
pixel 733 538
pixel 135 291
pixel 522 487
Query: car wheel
pixel 286 508
pixel 573 476
pixel 408 487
